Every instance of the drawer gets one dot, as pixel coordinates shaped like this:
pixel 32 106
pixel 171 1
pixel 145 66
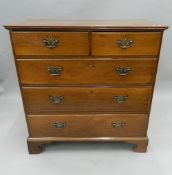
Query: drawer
pixel 50 43
pixel 99 71
pixel 72 99
pixel 126 43
pixel 98 125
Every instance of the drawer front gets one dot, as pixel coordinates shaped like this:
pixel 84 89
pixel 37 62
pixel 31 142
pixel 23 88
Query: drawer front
pixel 126 43
pixel 99 125
pixel 69 99
pixel 50 43
pixel 106 72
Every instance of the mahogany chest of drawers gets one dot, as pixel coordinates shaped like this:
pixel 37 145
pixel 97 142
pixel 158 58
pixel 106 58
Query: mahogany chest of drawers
pixel 86 80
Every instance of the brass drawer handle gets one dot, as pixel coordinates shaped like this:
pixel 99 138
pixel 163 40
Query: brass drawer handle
pixel 56 99
pixel 59 125
pixel 120 98
pixel 54 71
pixel 118 124
pixel 51 42
pixel 125 43
pixel 123 70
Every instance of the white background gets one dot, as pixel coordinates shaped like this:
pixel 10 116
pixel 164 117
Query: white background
pixel 84 159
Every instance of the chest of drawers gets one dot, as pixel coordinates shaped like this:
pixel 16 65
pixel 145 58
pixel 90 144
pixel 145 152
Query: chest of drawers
pixel 86 80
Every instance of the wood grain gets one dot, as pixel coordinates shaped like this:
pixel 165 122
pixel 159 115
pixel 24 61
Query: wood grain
pixel 86 99
pixel 98 125
pixel 31 43
pixel 145 43
pixel 86 72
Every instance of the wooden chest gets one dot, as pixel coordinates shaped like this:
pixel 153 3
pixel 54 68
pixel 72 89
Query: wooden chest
pixel 86 80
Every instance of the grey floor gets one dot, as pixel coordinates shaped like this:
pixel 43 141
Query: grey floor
pixel 86 158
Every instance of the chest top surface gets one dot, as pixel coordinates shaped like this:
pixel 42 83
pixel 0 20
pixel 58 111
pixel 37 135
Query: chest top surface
pixel 52 24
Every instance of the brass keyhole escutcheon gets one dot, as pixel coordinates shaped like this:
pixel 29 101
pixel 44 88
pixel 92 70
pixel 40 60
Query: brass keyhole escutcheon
pixel 91 65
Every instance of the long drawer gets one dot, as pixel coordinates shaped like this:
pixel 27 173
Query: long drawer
pixel 126 43
pixel 50 43
pixel 52 100
pixel 98 125
pixel 82 71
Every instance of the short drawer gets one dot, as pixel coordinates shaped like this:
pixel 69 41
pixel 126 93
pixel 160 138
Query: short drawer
pixel 71 99
pixel 126 43
pixel 98 125
pixel 50 43
pixel 98 72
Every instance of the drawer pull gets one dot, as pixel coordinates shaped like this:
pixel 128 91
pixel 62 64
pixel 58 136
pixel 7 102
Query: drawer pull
pixel 56 99
pixel 123 70
pixel 120 98
pixel 118 124
pixel 59 125
pixel 51 43
pixel 55 70
pixel 125 43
